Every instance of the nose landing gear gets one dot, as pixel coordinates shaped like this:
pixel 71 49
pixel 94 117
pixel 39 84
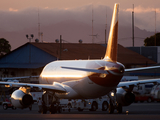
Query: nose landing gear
pixel 113 103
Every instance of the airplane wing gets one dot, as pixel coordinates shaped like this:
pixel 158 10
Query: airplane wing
pixel 56 88
pixel 11 78
pixel 86 69
pixel 129 83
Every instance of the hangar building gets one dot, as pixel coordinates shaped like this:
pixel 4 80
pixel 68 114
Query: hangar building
pixel 30 58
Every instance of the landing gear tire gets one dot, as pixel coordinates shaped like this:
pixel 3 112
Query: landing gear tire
pixel 149 100
pixel 44 110
pixel 94 106
pixel 119 108
pixel 104 106
pixel 59 109
pixel 5 107
pixel 14 108
pixel 53 109
pixel 79 109
pixel 111 108
pixel 30 107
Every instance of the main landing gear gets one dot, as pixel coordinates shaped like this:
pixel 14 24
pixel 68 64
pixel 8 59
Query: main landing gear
pixel 113 104
pixel 50 103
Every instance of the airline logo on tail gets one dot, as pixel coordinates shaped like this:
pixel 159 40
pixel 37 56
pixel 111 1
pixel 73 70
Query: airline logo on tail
pixel 111 52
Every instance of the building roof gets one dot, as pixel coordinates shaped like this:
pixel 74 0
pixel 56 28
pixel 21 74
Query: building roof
pixel 36 55
pixel 26 56
pixel 71 51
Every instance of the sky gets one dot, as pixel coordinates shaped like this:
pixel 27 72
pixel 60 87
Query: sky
pixel 21 15
pixel 70 4
pixel 144 9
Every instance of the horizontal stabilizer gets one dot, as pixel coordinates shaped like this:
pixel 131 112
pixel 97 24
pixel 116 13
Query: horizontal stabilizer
pixel 143 68
pixel 87 70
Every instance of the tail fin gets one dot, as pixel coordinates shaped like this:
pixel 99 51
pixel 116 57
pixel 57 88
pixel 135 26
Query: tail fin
pixel 111 51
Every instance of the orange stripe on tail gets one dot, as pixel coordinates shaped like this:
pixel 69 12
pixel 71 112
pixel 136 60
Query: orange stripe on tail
pixel 111 51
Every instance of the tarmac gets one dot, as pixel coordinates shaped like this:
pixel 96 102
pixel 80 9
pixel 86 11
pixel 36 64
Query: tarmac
pixel 136 111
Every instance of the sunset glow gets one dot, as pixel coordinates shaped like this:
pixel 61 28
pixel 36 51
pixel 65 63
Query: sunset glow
pixel 13 10
pixel 140 9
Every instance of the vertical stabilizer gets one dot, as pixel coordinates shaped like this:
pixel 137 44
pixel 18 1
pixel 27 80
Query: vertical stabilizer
pixel 111 51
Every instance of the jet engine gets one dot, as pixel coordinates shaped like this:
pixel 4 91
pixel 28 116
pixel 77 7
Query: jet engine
pixel 21 99
pixel 124 97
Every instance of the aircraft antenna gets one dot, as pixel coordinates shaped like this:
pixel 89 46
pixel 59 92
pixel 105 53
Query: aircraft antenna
pixel 106 28
pixel 38 25
pixel 40 34
pixel 155 27
pixel 133 26
pixel 60 46
pixel 92 25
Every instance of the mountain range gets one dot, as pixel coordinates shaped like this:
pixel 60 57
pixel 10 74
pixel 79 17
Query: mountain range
pixel 72 31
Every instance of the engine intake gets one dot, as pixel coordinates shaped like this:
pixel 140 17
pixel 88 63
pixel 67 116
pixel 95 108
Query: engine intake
pixel 123 97
pixel 19 99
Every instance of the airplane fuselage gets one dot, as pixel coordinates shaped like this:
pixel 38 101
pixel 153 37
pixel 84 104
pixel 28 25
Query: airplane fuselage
pixel 83 84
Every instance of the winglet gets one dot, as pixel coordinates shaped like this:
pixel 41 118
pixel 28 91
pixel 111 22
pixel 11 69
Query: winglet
pixel 111 51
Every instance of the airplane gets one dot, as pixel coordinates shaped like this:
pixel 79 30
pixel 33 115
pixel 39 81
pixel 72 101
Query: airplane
pixel 84 79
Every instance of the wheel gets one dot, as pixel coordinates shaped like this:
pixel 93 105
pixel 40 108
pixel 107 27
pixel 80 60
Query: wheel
pixel 69 107
pixel 30 107
pixel 53 110
pixel 94 106
pixel 59 109
pixel 5 106
pixel 149 100
pixel 44 110
pixel 111 108
pixel 14 108
pixel 136 101
pixel 119 108
pixel 79 109
pixel 104 106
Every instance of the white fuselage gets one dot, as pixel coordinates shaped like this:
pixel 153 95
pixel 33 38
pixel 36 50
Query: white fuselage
pixel 81 84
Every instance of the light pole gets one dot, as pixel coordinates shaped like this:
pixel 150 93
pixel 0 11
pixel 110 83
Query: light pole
pixel 31 37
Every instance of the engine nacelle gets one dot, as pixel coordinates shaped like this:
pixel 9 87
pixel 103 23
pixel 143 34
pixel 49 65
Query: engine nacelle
pixel 123 97
pixel 19 99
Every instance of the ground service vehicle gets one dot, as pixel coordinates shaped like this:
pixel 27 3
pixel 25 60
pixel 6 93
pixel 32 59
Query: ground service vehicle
pixel 7 104
pixel 142 92
pixel 92 104
pixel 155 93
pixel 129 78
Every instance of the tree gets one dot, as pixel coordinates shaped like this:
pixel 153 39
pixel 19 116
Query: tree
pixel 151 40
pixel 5 47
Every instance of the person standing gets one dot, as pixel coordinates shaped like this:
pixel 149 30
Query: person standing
pixel 39 104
